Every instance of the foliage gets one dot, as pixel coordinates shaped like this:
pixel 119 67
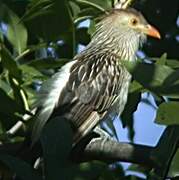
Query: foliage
pixel 37 37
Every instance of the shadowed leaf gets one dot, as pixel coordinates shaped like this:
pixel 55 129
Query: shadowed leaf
pixel 174 168
pixel 21 168
pixel 160 79
pixel 10 64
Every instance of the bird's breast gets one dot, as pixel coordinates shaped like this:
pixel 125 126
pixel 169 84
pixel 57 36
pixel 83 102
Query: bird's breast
pixel 121 99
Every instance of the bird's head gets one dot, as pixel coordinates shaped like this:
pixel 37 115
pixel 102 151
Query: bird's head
pixel 132 20
pixel 122 32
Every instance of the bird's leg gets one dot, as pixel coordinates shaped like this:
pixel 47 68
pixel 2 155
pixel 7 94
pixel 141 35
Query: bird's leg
pixel 102 133
pixel 102 136
pixel 88 142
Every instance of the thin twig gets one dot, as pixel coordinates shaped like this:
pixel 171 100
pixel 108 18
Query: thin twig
pixel 19 124
pixel 15 128
pixel 123 4
pixel 27 51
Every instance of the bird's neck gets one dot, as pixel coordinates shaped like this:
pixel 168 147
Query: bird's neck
pixel 123 43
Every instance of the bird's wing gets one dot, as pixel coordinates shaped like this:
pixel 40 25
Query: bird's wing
pixel 90 87
pixel 48 98
pixel 96 85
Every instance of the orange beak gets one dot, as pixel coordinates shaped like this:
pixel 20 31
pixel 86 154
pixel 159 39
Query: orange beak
pixel 152 31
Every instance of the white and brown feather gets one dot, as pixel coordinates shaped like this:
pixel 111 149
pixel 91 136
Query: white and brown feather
pixel 95 83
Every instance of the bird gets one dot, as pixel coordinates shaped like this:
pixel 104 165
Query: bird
pixel 95 83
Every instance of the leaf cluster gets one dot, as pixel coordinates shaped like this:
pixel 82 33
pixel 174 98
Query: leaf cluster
pixel 37 37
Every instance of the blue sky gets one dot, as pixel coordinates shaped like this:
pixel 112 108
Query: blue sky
pixel 146 131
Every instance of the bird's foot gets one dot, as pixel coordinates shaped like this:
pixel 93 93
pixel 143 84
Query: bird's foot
pixel 102 133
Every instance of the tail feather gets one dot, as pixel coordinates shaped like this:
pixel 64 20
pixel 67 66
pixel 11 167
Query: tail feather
pixel 48 99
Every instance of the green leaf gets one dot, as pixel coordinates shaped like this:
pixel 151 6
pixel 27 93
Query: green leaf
pixel 1 37
pixel 47 63
pixel 56 141
pixel 19 95
pixel 37 8
pixel 135 87
pixel 5 87
pixel 130 177
pixel 162 59
pixel 168 113
pixel 10 64
pixel 92 27
pixel 19 7
pixel 75 9
pixel 9 106
pixel 160 79
pixel 138 169
pixel 21 168
pixel 164 152
pixel 9 110
pixel 92 170
pixel 172 63
pixel 48 19
pixel 174 167
pixel 100 5
pixel 17 34
pixel 30 74
pixel 86 14
pixel 16 31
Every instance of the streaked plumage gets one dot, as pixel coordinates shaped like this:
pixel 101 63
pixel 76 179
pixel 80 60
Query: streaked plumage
pixel 95 83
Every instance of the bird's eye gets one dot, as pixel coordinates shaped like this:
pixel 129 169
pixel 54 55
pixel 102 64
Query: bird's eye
pixel 134 21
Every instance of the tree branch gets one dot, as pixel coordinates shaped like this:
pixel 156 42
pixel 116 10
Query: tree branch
pixel 105 149
pixel 108 150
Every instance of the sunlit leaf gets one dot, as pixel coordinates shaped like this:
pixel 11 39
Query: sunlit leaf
pixel 31 75
pixel 162 59
pixel 16 31
pixel 172 63
pixel 160 79
pixel 91 28
pixel 168 113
